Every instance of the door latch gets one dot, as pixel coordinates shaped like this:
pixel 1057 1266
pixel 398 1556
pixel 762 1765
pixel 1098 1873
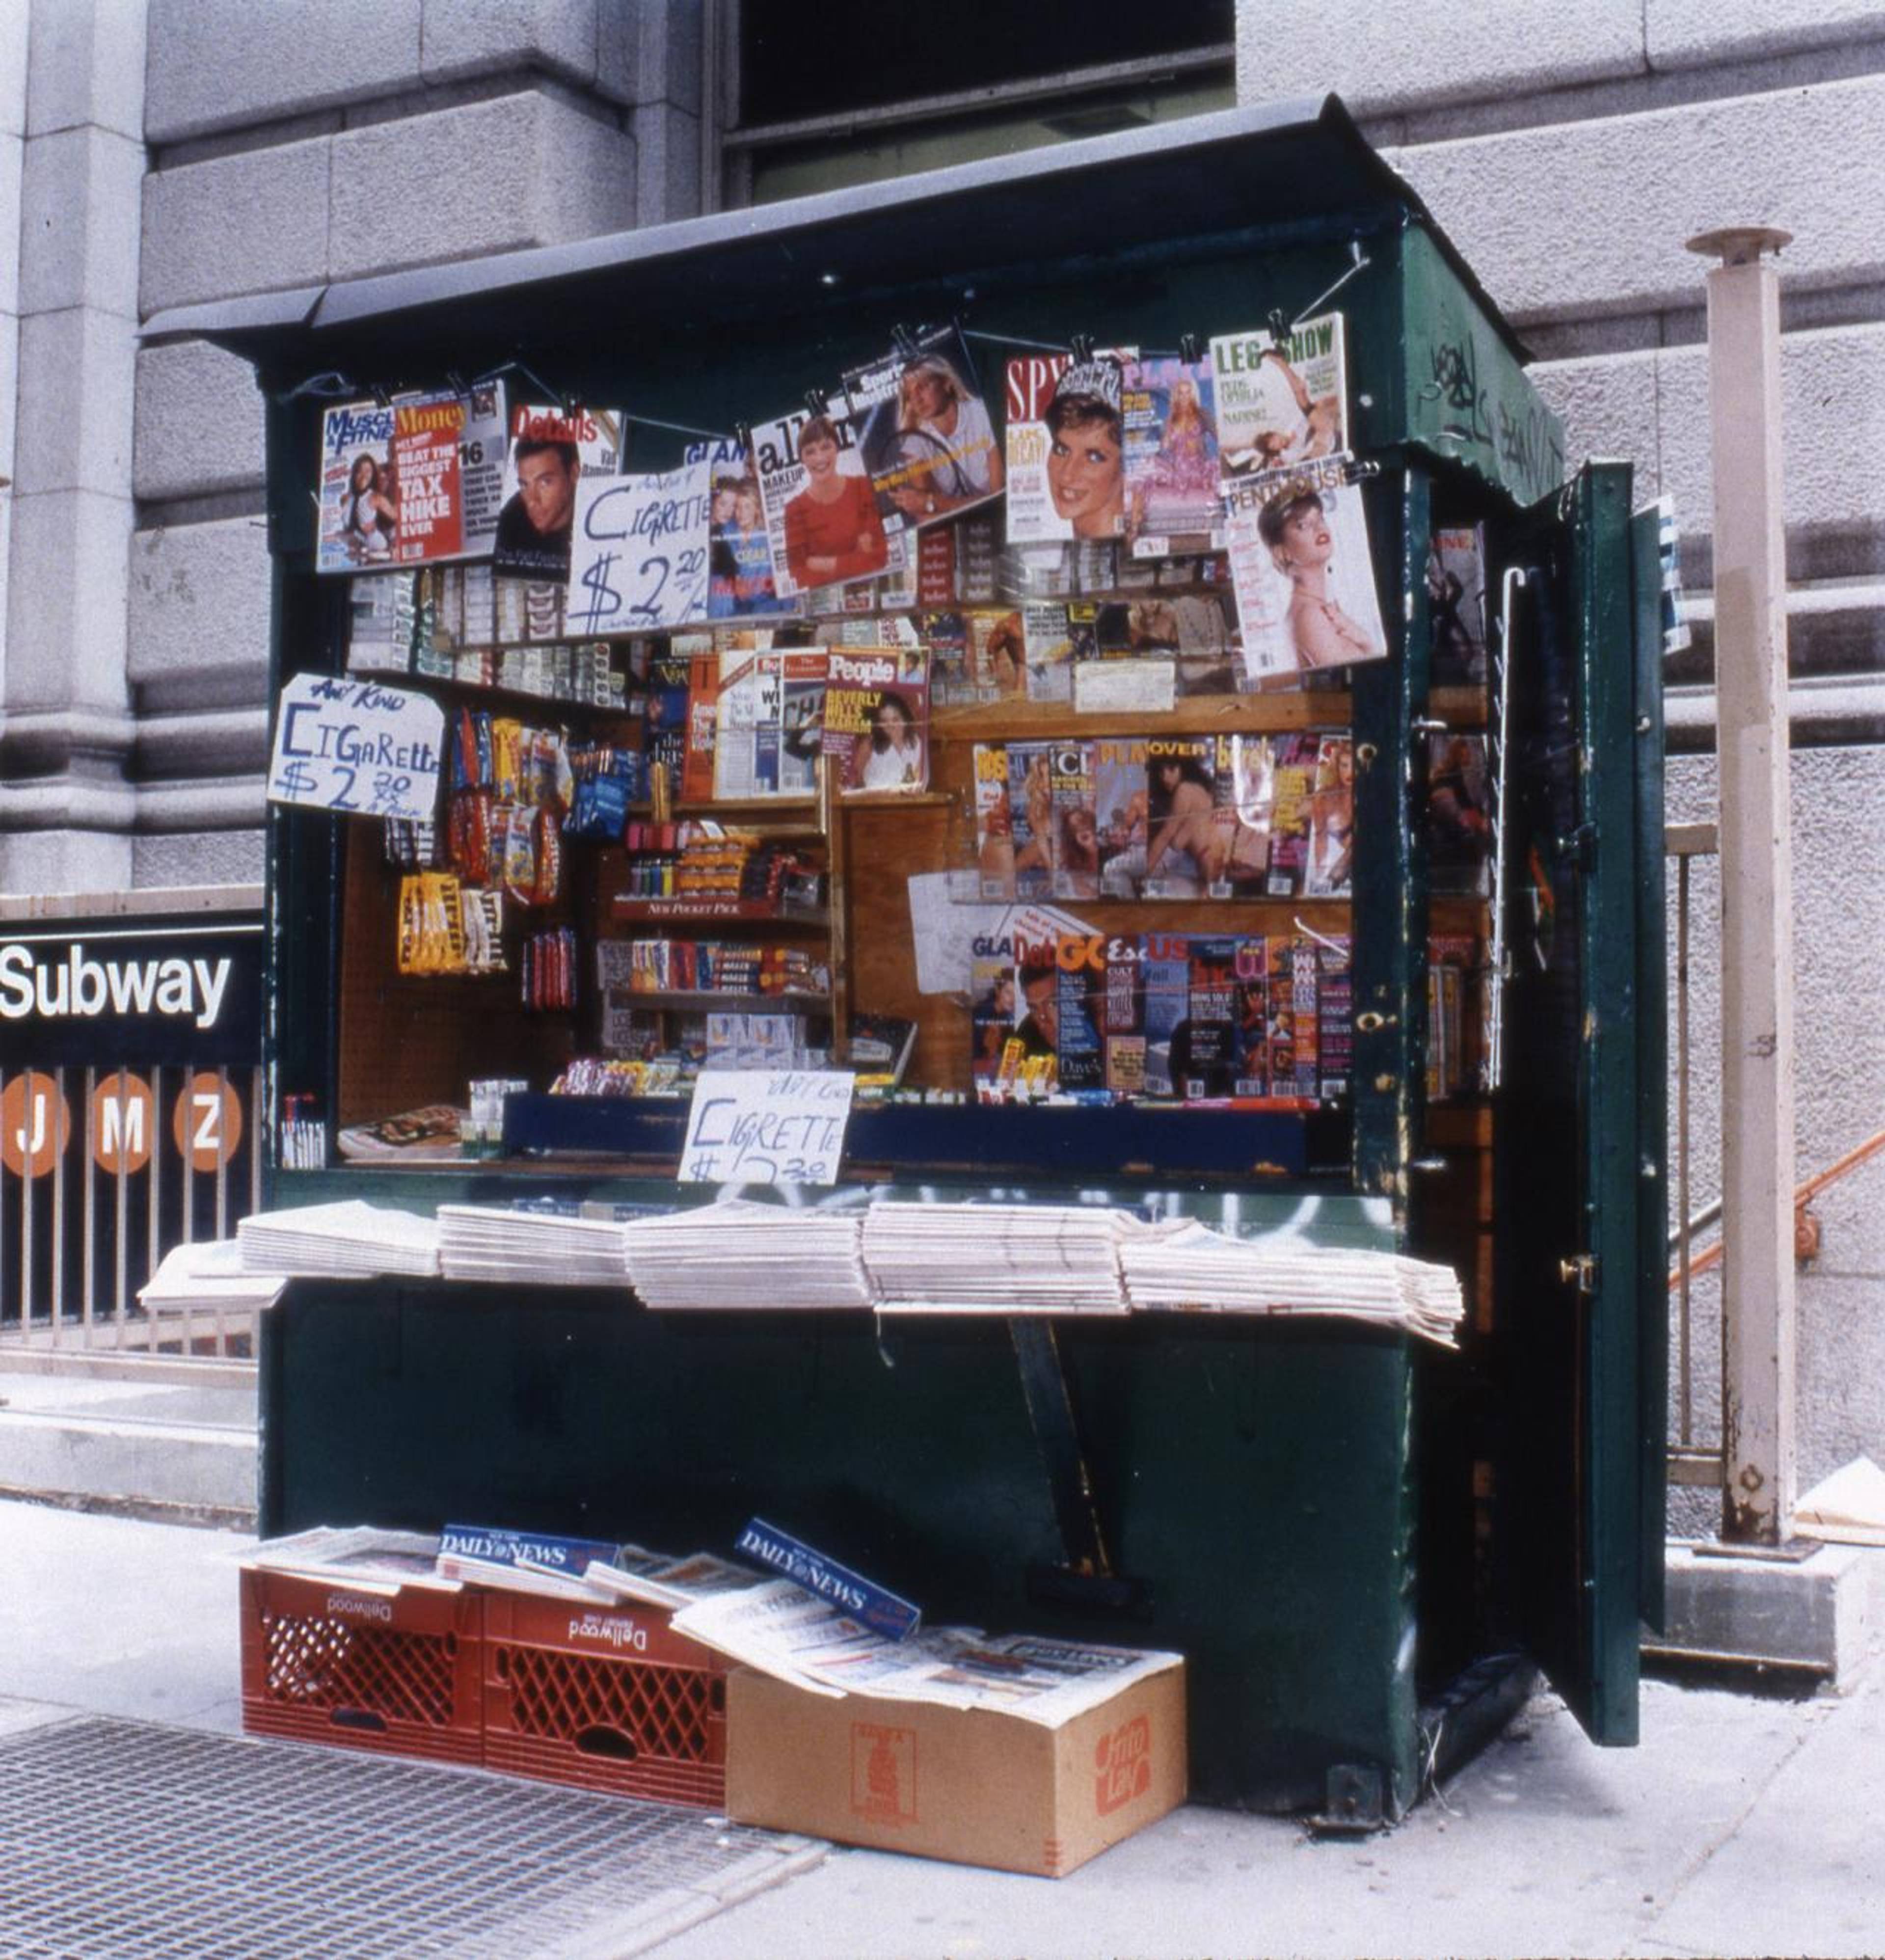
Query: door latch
pixel 1580 1271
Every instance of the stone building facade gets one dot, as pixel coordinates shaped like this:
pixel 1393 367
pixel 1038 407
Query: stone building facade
pixel 158 153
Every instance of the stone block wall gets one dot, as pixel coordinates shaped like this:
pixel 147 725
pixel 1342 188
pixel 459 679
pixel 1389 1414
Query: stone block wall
pixel 160 153
pixel 1571 153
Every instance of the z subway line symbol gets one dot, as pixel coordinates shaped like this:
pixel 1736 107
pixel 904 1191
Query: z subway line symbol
pixel 81 987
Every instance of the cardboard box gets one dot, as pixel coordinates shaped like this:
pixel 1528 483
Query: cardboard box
pixel 980 1787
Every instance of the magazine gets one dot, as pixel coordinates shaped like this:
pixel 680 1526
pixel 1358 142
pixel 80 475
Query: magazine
pixel 741 584
pixel 1076 845
pixel 1031 816
pixel 1456 603
pixel 1032 518
pixel 548 450
pixel 1182 835
pixel 1280 404
pixel 997 655
pixel 821 516
pixel 1172 473
pixel 1049 638
pixel 994 837
pixel 1295 759
pixel 1120 806
pixel 415 482
pixel 1305 581
pixel 1329 869
pixel 1459 823
pixel 876 720
pixel 1066 433
pixel 924 431
pixel 1080 997
pixel 769 710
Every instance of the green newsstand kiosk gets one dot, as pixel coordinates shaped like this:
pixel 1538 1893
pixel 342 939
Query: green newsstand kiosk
pixel 1363 1544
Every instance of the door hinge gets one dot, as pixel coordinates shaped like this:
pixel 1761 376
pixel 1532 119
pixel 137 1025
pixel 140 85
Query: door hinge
pixel 1581 1271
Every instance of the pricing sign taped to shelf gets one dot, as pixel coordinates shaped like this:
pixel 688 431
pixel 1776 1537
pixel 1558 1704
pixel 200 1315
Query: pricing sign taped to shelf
pixel 356 747
pixel 637 556
pixel 766 1126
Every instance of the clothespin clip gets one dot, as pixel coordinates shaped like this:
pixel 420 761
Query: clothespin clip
pixel 1279 323
pixel 381 399
pixel 1081 347
pixel 1188 351
pixel 743 435
pixel 902 339
pixel 818 400
pixel 455 381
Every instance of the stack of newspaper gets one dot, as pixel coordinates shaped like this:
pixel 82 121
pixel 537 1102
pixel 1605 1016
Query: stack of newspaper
pixel 209 1273
pixel 736 1253
pixel 997 1258
pixel 787 1632
pixel 1194 1268
pixel 367 1558
pixel 549 1249
pixel 350 1238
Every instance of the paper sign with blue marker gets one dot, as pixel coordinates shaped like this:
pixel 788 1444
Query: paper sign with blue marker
pixel 356 747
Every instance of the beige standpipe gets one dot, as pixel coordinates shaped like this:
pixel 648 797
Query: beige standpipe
pixel 1757 965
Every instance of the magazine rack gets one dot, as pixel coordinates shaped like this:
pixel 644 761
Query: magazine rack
pixel 1342 1534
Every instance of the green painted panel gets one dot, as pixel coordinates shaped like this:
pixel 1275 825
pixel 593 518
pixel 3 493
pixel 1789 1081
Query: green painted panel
pixel 1254 1480
pixel 1465 395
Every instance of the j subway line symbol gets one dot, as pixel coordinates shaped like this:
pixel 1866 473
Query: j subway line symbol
pixel 83 987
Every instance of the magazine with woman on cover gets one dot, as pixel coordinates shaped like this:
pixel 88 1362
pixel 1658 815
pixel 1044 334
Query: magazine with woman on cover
pixel 925 430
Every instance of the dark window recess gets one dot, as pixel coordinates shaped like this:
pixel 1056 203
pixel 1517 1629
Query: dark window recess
pixel 797 61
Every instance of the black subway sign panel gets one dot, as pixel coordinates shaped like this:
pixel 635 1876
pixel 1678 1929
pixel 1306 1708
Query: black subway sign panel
pixel 97 994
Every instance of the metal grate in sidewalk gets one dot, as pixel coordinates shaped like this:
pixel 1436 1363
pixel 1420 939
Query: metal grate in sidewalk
pixel 126 1841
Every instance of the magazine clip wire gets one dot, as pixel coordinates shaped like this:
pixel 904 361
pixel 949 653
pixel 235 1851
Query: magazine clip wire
pixel 455 381
pixel 1081 346
pixel 1309 932
pixel 332 383
pixel 904 341
pixel 1357 261
pixel 1188 349
pixel 381 399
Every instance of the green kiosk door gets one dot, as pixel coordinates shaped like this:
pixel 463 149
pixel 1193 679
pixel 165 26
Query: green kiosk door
pixel 1581 1169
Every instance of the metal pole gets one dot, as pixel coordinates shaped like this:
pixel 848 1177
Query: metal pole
pixel 1757 1007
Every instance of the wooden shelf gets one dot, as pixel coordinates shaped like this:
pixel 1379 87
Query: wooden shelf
pixel 746 911
pixel 712 998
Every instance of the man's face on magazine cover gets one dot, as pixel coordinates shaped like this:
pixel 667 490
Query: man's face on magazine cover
pixel 548 488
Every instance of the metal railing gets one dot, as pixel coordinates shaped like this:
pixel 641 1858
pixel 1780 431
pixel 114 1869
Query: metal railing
pixel 91 1198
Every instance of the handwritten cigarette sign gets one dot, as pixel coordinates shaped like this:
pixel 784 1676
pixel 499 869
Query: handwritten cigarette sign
pixel 356 747
pixel 638 552
pixel 766 1126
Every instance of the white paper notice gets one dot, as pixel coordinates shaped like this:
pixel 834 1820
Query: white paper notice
pixel 637 556
pixel 766 1126
pixel 356 747
pixel 1125 687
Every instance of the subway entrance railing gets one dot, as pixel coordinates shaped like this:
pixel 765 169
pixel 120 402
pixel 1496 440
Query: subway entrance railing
pixel 132 1112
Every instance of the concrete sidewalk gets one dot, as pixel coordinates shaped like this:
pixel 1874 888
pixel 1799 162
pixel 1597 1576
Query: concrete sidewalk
pixel 1744 1824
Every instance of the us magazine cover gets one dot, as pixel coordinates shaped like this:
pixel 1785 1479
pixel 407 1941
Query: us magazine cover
pixel 876 719
pixel 1172 473
pixel 742 582
pixel 821 516
pixel 1280 403
pixel 925 430
pixel 550 449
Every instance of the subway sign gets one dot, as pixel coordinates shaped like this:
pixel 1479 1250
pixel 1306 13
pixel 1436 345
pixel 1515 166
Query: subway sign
pixel 110 992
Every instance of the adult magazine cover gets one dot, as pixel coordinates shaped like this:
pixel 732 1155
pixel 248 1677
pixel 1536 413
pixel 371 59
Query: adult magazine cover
pixel 742 583
pixel 1300 566
pixel 1330 864
pixel 1031 816
pixel 821 516
pixel 925 432
pixel 548 450
pixel 994 837
pixel 1119 778
pixel 1280 403
pixel 1455 604
pixel 417 481
pixel 876 719
pixel 1172 473
pixel 1076 874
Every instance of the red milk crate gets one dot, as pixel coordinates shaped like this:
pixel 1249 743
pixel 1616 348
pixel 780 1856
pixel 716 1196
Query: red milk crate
pixel 370 1664
pixel 606 1698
